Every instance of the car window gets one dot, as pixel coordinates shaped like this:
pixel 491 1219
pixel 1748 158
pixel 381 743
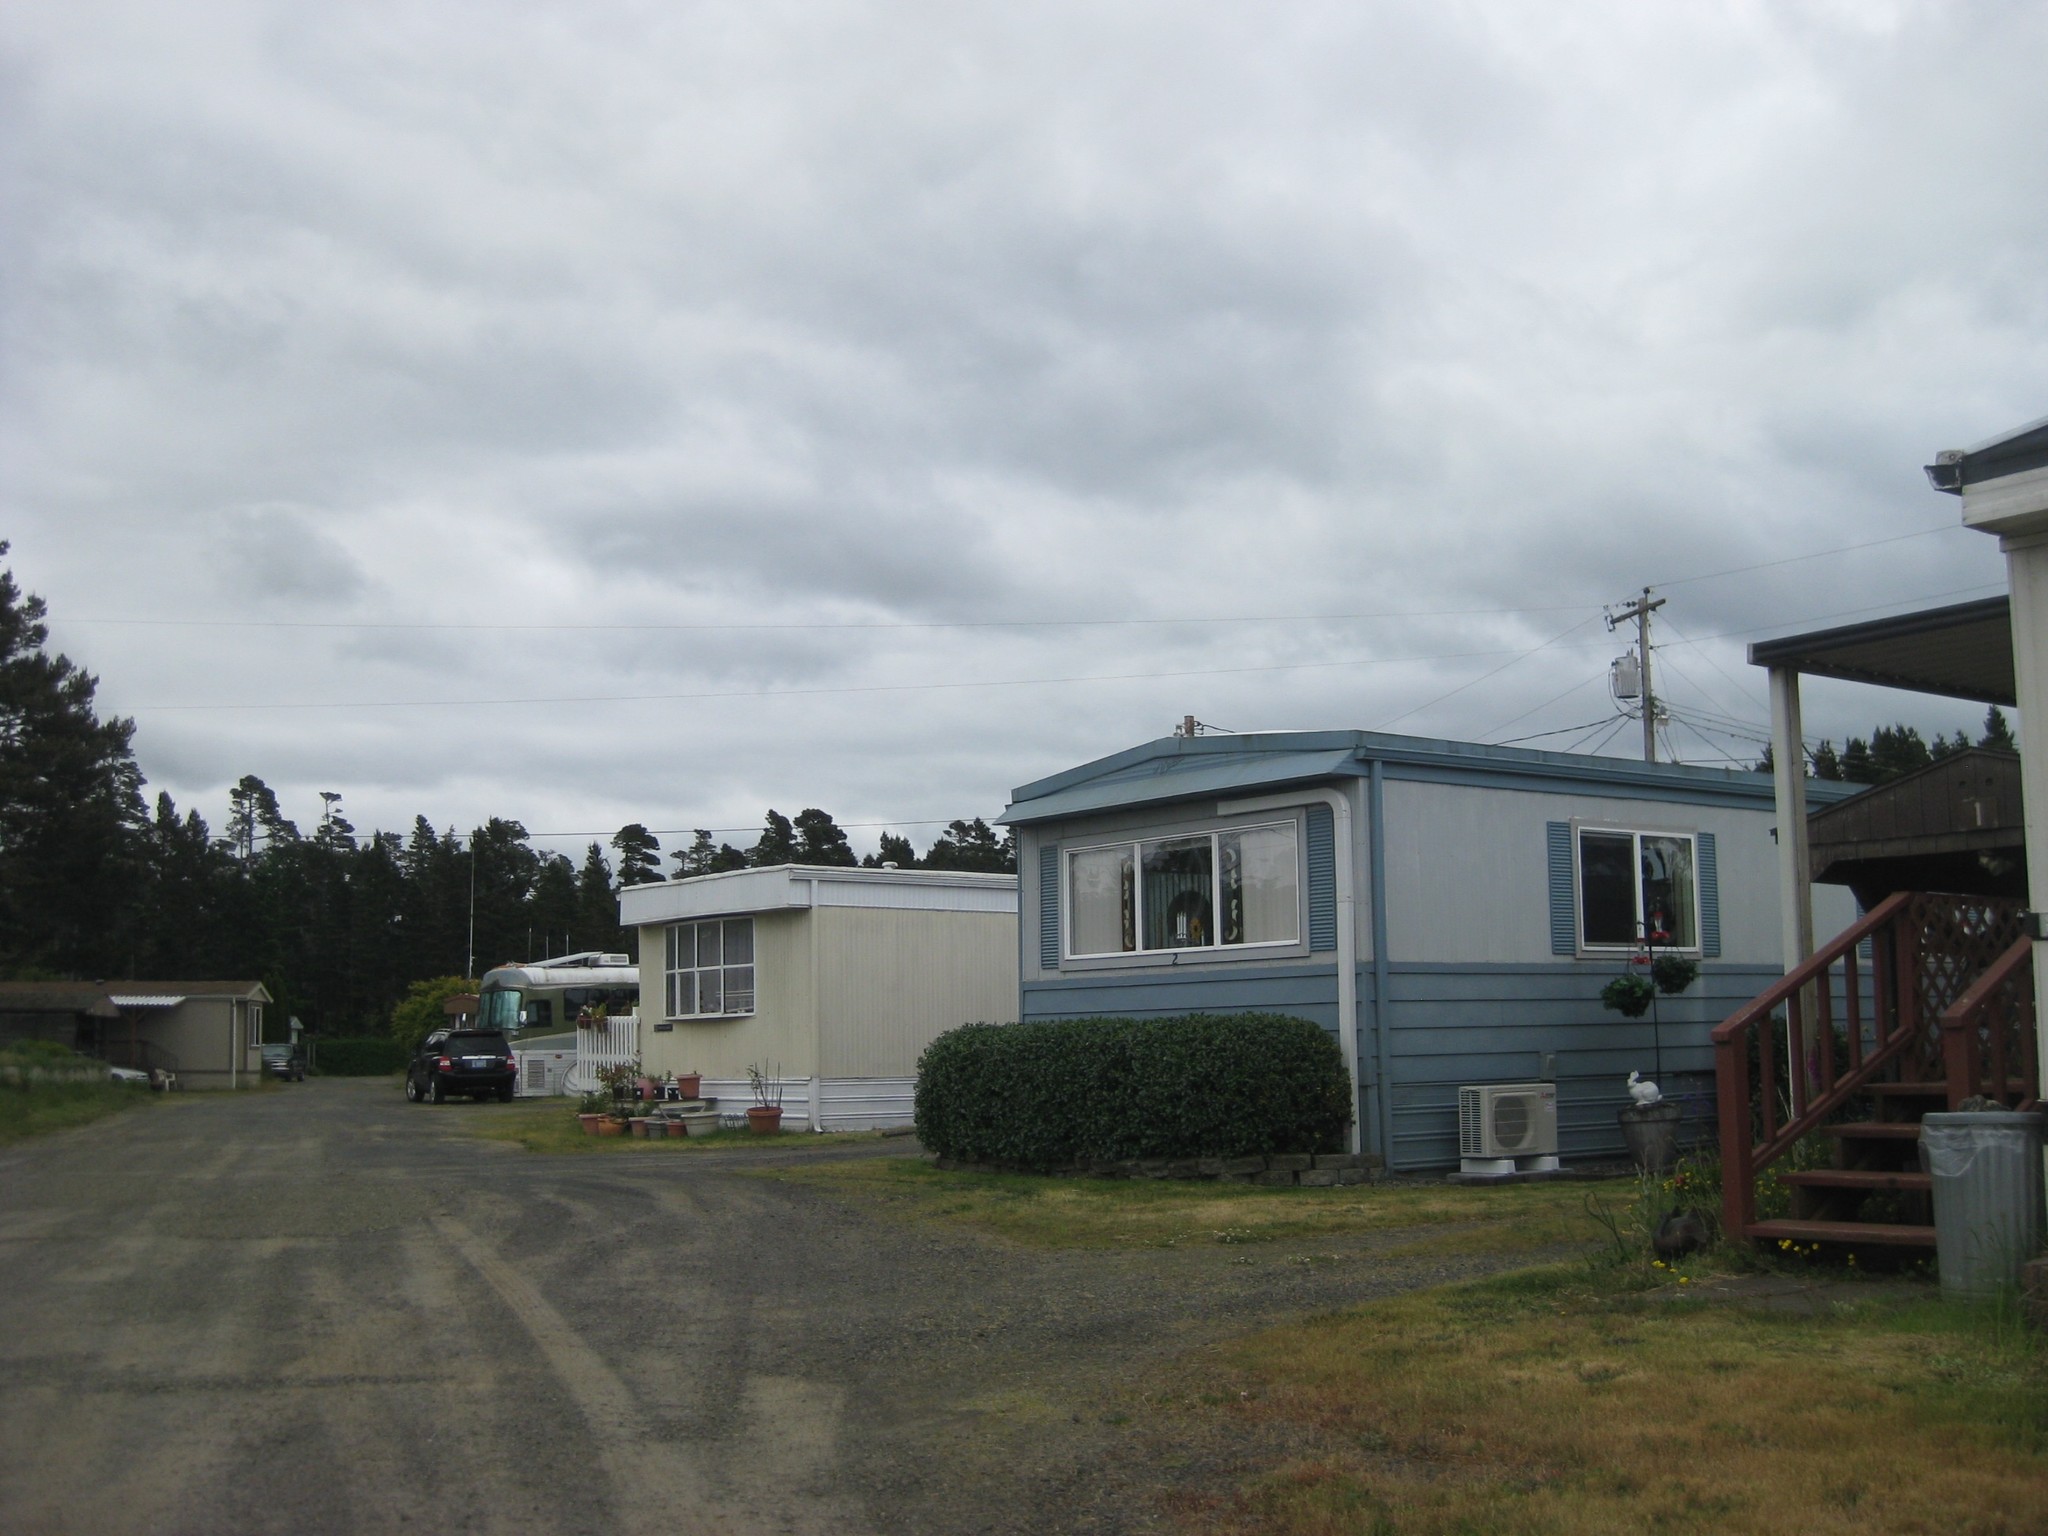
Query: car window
pixel 477 1043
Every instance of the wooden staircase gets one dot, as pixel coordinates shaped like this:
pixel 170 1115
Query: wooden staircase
pixel 1923 1003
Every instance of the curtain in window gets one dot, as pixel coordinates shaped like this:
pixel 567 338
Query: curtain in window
pixel 1668 890
pixel 1100 887
pixel 1261 895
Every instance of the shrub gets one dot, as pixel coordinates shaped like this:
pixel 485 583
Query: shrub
pixel 419 1012
pixel 372 1056
pixel 1052 1095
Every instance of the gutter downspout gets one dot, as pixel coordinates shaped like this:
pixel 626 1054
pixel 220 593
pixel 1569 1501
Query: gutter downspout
pixel 817 1085
pixel 1347 924
pixel 1382 1004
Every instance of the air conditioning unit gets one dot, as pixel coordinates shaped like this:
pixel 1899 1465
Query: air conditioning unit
pixel 1507 1128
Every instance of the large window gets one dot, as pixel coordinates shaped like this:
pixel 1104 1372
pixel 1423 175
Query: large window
pixel 1637 885
pixel 1208 889
pixel 711 968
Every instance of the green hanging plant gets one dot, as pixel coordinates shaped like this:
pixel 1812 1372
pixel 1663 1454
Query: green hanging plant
pixel 1674 973
pixel 1628 995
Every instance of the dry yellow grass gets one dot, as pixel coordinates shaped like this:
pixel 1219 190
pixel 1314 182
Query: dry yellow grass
pixel 1551 1403
pixel 1147 1213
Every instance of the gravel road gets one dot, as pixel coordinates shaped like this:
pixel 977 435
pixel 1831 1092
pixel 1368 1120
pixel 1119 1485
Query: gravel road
pixel 320 1308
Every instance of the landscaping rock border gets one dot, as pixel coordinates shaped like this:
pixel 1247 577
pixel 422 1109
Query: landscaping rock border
pixel 1278 1169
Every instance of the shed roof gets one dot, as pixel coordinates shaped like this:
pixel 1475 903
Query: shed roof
pixel 1966 802
pixel 736 892
pixel 86 997
pixel 1188 768
pixel 1963 651
pixel 180 991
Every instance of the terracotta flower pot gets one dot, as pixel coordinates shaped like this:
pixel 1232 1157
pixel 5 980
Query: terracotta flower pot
pixel 678 1128
pixel 765 1119
pixel 607 1126
pixel 689 1085
pixel 591 1124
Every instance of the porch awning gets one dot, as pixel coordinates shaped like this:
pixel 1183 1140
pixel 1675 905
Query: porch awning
pixel 1960 652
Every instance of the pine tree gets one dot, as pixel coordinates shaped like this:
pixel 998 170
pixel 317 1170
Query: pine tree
pixel 639 852
pixel 777 843
pixel 1856 764
pixel 972 845
pixel 820 840
pixel 1997 734
pixel 597 904
pixel 1826 765
pixel 1895 751
pixel 70 807
pixel 894 850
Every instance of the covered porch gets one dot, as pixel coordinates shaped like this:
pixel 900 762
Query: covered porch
pixel 1928 1000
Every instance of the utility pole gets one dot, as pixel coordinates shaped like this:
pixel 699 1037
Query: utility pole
pixel 1640 610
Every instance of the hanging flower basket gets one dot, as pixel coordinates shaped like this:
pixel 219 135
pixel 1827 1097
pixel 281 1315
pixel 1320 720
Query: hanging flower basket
pixel 1628 995
pixel 1674 973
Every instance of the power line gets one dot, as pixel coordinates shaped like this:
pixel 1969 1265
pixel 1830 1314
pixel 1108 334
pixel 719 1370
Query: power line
pixel 784 693
pixel 1819 554
pixel 1484 676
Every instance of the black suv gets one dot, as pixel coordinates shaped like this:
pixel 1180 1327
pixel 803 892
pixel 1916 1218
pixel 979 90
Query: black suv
pixel 477 1062
pixel 285 1061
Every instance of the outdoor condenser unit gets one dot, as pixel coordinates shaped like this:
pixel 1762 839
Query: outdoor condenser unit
pixel 1508 1128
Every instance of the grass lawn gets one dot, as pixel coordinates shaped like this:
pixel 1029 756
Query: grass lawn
pixel 48 1107
pixel 1167 1213
pixel 1604 1394
pixel 550 1125
pixel 1563 1400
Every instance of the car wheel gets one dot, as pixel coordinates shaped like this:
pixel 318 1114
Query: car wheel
pixel 412 1089
pixel 505 1095
pixel 435 1095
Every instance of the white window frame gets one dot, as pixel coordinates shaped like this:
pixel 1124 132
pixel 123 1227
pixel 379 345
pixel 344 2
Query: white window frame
pixel 668 972
pixel 1136 848
pixel 1636 834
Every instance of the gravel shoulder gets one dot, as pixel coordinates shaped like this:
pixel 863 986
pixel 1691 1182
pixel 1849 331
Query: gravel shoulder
pixel 323 1309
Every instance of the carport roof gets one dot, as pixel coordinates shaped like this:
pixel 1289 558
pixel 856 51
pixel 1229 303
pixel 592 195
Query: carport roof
pixel 1963 651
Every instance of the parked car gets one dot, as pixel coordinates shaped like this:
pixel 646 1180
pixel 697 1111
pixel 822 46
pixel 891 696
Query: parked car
pixel 285 1061
pixel 477 1062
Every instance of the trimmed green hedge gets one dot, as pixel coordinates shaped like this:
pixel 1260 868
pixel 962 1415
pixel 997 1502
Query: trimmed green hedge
pixel 370 1057
pixel 1076 1091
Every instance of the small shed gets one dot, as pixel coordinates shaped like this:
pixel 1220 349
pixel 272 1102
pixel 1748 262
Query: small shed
pixel 1955 825
pixel 209 1033
pixel 832 980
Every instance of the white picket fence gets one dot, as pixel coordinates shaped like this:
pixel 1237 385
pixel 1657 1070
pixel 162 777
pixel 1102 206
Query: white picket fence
pixel 609 1043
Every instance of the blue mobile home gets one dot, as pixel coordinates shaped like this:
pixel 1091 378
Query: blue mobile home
pixel 1463 905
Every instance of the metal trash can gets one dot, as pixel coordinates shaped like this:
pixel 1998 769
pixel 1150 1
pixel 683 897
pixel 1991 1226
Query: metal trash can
pixel 1986 1166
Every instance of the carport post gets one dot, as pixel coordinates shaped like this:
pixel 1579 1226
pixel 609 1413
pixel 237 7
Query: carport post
pixel 1795 870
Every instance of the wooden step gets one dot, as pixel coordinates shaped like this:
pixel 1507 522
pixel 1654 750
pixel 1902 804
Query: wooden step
pixel 1865 1180
pixel 1862 1233
pixel 1875 1130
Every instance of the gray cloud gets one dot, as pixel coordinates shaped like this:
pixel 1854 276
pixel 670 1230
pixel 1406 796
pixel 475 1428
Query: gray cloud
pixel 407 315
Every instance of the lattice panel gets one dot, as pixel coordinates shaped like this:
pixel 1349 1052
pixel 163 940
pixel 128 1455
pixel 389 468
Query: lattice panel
pixel 1959 937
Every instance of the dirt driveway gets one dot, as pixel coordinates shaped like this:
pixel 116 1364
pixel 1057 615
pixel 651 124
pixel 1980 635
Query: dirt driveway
pixel 322 1309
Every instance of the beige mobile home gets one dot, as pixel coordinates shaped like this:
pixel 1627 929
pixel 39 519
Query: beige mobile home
pixel 833 979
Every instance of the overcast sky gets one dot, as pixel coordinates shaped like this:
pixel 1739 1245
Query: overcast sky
pixel 613 412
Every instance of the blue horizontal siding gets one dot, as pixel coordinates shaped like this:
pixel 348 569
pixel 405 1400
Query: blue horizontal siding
pixel 1453 1026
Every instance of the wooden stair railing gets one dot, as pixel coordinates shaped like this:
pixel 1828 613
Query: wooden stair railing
pixel 1882 999
pixel 1988 1044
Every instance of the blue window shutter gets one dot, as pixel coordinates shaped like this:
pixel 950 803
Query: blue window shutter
pixel 1322 878
pixel 1049 907
pixel 1564 916
pixel 1710 898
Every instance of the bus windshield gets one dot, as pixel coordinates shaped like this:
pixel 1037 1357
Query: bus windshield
pixel 498 1009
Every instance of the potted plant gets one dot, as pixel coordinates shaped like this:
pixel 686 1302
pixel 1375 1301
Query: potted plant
pixel 1629 995
pixel 764 1117
pixel 591 1110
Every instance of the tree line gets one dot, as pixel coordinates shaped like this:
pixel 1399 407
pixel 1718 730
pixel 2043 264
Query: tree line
pixel 1893 751
pixel 98 884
